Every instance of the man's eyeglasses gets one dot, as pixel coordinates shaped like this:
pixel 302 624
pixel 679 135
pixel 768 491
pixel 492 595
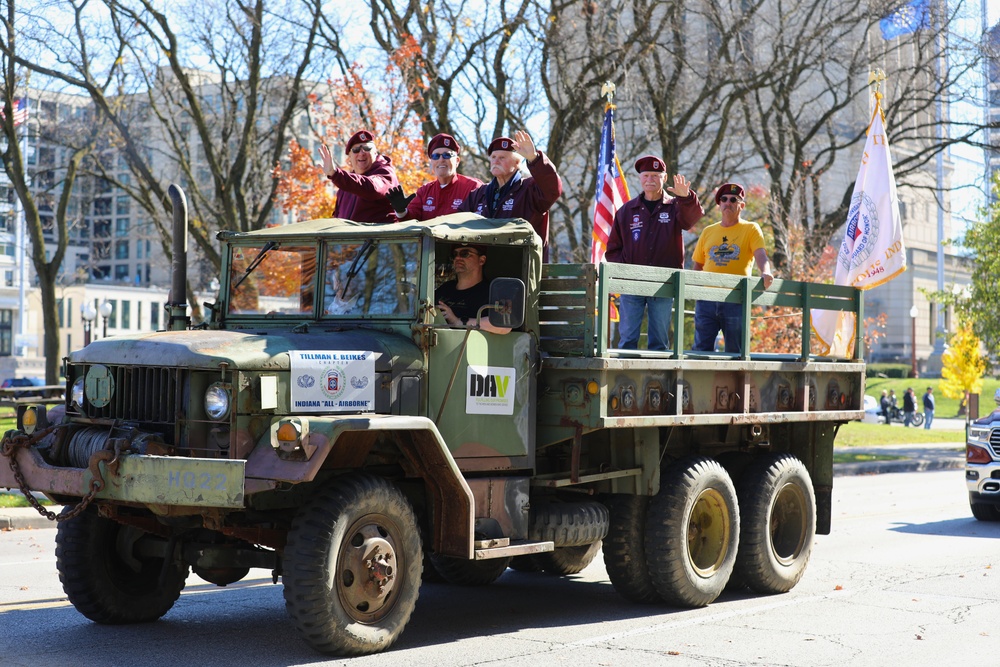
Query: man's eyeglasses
pixel 734 199
pixel 464 253
pixel 368 148
pixel 442 156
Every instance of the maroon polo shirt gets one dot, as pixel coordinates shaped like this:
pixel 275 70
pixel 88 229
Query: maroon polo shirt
pixel 653 238
pixel 432 200
pixel 530 199
pixel 361 197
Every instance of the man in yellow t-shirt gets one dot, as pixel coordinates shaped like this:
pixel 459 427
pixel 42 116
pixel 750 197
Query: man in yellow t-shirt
pixel 730 246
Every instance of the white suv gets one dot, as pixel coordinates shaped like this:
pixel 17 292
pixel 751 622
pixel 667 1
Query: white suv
pixel 982 465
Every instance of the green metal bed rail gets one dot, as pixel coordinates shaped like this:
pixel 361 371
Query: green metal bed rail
pixel 574 306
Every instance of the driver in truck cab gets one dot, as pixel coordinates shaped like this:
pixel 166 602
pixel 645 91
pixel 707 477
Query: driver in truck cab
pixel 459 300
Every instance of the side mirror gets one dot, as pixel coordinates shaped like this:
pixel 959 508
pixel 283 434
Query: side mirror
pixel 507 302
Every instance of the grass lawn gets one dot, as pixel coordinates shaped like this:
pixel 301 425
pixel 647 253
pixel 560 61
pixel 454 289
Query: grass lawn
pixel 856 434
pixel 946 407
pixel 17 500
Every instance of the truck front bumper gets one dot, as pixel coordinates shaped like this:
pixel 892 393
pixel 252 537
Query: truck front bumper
pixel 983 482
pixel 143 479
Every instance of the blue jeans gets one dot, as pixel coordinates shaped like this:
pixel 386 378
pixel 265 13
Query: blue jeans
pixel 632 307
pixel 710 317
pixel 928 418
pixel 907 418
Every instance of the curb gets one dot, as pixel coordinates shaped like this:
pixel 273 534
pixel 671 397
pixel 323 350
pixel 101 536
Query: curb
pixel 901 465
pixel 25 518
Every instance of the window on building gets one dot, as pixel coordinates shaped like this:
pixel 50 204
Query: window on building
pixel 69 313
pixel 102 228
pixel 121 272
pixel 138 314
pixel 59 312
pixel 154 315
pixel 113 317
pixel 102 271
pixel 138 249
pixel 6 332
pixel 121 252
pixel 8 278
pixel 126 314
pixel 102 206
pixel 121 227
pixel 122 205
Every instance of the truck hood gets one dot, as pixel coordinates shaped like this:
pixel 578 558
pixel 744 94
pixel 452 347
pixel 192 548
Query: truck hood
pixel 261 350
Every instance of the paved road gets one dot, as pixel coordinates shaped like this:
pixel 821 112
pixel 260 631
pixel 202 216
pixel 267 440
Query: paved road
pixel 907 578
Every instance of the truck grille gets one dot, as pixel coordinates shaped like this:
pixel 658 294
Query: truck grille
pixel 141 393
pixel 995 441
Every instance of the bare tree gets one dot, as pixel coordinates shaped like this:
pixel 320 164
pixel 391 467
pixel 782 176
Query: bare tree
pixel 206 94
pixel 42 187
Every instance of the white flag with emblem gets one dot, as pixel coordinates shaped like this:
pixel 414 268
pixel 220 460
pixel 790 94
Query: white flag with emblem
pixel 872 252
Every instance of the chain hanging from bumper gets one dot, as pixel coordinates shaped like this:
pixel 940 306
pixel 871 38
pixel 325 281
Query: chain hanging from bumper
pixel 14 440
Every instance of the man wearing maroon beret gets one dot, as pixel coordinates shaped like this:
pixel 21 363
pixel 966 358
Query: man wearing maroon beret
pixel 362 187
pixel 442 196
pixel 509 195
pixel 647 231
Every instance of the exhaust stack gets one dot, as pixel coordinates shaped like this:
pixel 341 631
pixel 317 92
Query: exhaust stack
pixel 178 319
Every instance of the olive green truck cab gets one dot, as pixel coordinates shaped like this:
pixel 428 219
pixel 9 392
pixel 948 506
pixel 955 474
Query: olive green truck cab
pixel 326 424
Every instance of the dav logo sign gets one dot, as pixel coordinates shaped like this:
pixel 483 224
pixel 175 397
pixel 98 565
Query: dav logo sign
pixel 490 390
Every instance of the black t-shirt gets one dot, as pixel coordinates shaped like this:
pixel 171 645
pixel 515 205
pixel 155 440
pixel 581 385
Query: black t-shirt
pixel 465 303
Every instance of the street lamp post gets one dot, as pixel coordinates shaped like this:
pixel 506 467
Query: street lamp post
pixel 88 313
pixel 106 309
pixel 913 350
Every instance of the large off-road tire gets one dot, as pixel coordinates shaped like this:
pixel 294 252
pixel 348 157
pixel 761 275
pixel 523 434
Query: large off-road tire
pixel 352 566
pixel 985 512
pixel 625 551
pixel 692 532
pixel 568 524
pixel 777 523
pixel 462 572
pixel 568 560
pixel 104 579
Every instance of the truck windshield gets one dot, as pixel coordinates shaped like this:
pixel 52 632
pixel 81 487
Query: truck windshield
pixel 371 279
pixel 282 282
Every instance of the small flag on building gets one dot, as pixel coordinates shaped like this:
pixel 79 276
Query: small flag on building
pixel 909 18
pixel 20 111
pixel 612 191
pixel 872 252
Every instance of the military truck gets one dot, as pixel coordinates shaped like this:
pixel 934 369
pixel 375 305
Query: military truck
pixel 326 425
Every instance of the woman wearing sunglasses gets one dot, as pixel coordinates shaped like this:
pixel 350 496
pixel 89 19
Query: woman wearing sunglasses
pixel 443 195
pixel 730 246
pixel 363 186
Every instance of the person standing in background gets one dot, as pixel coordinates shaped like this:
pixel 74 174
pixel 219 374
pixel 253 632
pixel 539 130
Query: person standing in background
pixel 928 407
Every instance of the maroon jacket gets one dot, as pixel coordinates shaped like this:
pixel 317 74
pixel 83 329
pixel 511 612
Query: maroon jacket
pixel 528 198
pixel 432 200
pixel 361 197
pixel 653 239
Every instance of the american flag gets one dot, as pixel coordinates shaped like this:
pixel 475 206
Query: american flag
pixel 20 111
pixel 612 190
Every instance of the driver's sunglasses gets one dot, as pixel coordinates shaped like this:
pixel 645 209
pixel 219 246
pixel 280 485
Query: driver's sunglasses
pixel 368 148
pixel 734 199
pixel 465 253
pixel 442 156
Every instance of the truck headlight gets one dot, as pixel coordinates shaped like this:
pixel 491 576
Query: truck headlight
pixel 77 392
pixel 217 402
pixel 979 433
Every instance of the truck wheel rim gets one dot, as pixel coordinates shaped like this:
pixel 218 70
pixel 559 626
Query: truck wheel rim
pixel 368 569
pixel 788 523
pixel 708 533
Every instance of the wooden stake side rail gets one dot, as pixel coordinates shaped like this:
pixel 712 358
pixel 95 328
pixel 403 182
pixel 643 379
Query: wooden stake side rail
pixel 574 307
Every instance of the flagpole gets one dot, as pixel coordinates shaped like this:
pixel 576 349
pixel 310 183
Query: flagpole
pixel 22 243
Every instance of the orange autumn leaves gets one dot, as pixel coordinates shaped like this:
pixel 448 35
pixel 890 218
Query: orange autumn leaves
pixel 350 105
